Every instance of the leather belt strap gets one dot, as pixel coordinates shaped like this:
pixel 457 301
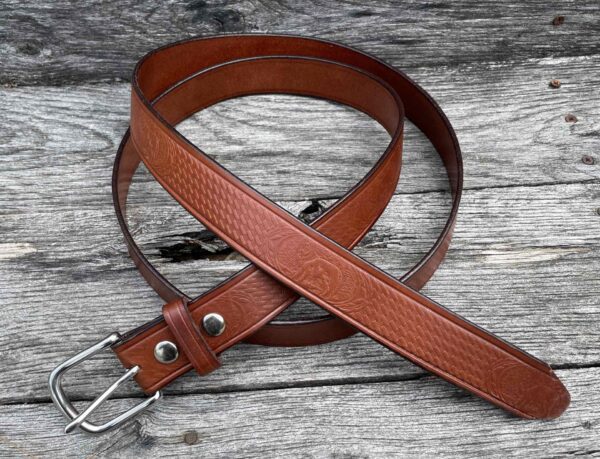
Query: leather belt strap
pixel 196 349
pixel 289 258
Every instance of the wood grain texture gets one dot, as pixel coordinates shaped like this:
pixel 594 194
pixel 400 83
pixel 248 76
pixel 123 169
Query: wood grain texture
pixel 54 42
pixel 524 262
pixel 512 268
pixel 409 419
pixel 510 124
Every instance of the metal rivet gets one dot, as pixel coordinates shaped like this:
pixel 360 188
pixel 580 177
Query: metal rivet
pixel 166 352
pixel 213 323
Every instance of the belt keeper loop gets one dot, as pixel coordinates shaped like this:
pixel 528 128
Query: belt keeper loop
pixel 189 338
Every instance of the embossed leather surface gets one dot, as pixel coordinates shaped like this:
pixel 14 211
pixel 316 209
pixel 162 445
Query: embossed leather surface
pixel 292 259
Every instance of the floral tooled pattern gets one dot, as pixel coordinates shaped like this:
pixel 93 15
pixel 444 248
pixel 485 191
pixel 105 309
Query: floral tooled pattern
pixel 159 157
pixel 522 386
pixel 317 272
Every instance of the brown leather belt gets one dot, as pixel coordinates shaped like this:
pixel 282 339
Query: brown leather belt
pixel 289 258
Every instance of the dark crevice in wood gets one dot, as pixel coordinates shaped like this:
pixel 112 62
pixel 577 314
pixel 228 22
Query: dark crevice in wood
pixel 205 245
pixel 227 19
pixel 314 210
pixel 232 389
pixel 576 366
pixel 514 185
pixel 583 453
pixel 229 389
pixel 482 188
pixel 197 245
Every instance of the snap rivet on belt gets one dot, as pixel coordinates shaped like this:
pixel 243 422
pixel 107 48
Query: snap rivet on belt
pixel 213 324
pixel 166 352
pixel 290 258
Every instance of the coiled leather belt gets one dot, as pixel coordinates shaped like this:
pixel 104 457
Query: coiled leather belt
pixel 290 258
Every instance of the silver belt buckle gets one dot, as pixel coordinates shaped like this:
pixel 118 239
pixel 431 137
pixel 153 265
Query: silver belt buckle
pixel 78 419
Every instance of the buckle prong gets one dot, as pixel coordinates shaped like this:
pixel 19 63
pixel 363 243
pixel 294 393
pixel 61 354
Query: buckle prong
pixel 79 419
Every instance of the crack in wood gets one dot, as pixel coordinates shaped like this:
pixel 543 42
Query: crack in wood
pixel 227 19
pixel 313 211
pixel 277 386
pixel 198 245
pixel 228 389
pixel 206 245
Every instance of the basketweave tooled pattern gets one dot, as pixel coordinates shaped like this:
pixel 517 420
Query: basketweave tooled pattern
pixel 249 299
pixel 385 311
pixel 363 209
pixel 161 159
pixel 255 295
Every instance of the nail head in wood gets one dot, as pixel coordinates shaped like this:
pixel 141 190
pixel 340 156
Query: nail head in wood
pixel 570 118
pixel 587 159
pixel 191 437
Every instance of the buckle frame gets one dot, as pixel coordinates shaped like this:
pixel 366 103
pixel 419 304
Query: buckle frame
pixel 78 419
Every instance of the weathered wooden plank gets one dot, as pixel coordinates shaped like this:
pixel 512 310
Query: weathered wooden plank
pixel 524 264
pixel 54 42
pixel 62 255
pixel 294 148
pixel 409 419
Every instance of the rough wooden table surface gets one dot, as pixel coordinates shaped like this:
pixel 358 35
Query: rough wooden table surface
pixel 524 262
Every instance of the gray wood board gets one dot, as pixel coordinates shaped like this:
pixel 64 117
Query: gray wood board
pixel 524 262
pixel 422 418
pixel 53 42
pixel 510 124
pixel 514 266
